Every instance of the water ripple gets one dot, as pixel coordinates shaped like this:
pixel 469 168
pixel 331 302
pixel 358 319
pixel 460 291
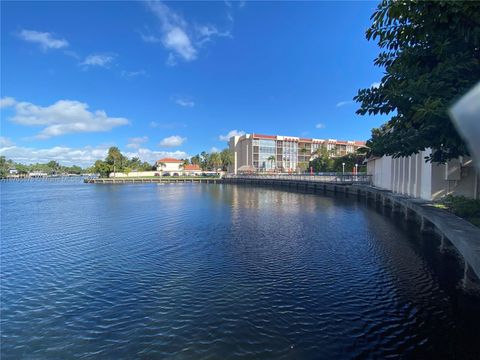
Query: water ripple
pixel 208 272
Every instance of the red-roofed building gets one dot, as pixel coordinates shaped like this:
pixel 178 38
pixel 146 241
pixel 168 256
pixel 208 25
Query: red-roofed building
pixel 192 169
pixel 282 153
pixel 169 160
pixel 170 165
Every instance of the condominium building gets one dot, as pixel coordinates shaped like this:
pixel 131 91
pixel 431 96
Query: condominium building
pixel 255 152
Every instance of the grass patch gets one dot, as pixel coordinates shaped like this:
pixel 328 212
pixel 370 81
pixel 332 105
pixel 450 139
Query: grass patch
pixel 468 209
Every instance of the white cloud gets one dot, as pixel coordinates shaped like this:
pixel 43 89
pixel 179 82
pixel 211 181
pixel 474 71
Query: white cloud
pixel 343 103
pixel 181 39
pixel 68 156
pixel 150 38
pixel 185 102
pixel 64 117
pixel 320 126
pixel 5 142
pixel 171 60
pixel 46 40
pixel 84 156
pixel 136 142
pixel 151 156
pixel 213 149
pixel 72 54
pixel 177 40
pixel 173 141
pixel 207 33
pixel 174 32
pixel 375 85
pixel 230 134
pixel 7 102
pixel 131 74
pixel 102 60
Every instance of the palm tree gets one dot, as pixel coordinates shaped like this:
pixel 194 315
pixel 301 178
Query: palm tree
pixel 271 159
pixel 161 165
pixel 215 161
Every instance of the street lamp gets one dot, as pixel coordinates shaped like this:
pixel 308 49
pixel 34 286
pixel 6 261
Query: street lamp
pixel 343 168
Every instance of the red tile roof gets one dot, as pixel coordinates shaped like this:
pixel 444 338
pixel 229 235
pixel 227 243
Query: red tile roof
pixel 170 160
pixel 191 167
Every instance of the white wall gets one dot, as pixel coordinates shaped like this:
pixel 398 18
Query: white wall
pixel 134 174
pixel 175 167
pixel 415 177
pixel 242 149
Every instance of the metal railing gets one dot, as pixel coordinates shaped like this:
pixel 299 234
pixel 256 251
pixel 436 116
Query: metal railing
pixel 71 178
pixel 347 178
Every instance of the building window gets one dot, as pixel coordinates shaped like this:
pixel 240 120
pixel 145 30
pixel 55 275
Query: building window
pixel 267 149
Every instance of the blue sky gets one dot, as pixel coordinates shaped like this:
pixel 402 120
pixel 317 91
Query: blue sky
pixel 175 78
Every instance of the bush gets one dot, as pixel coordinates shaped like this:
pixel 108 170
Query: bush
pixel 461 206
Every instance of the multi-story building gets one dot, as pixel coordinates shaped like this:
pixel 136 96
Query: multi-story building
pixel 255 152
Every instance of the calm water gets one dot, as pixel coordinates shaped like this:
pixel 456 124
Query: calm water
pixel 217 272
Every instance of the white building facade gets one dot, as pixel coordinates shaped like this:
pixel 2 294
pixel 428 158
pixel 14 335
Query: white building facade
pixel 415 177
pixel 256 152
pixel 169 165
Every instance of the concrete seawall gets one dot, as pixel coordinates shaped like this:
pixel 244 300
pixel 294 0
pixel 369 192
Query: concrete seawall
pixel 464 236
pixel 157 180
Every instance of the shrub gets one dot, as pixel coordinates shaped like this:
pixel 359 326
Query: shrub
pixel 466 208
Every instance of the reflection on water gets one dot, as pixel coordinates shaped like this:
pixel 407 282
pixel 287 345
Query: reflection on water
pixel 215 271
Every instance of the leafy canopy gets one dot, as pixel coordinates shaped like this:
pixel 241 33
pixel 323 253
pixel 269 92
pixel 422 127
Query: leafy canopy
pixel 431 56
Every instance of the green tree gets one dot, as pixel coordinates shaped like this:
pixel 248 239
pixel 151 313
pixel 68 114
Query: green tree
pixel 214 161
pixel 322 161
pixel 115 158
pixel 196 160
pixel 204 160
pixel 5 165
pixel 349 160
pixel 103 168
pixel 161 165
pixel 74 169
pixel 226 157
pixel 22 169
pixel 53 167
pixel 431 56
